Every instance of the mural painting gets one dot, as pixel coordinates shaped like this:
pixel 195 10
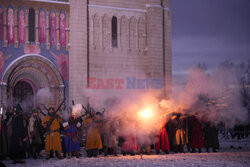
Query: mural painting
pixel 53 28
pixel 42 26
pixel 21 26
pixel 62 63
pixel 1 23
pixel 11 34
pixel 2 62
pixel 62 29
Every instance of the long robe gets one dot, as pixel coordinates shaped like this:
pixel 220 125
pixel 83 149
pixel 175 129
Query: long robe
pixel 33 129
pixel 53 139
pixel 18 145
pixel 196 133
pixel 93 140
pixel 162 142
pixel 129 144
pixel 3 139
pixel 211 136
pixel 109 135
pixel 70 139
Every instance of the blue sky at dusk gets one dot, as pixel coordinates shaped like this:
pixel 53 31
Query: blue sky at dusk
pixel 209 31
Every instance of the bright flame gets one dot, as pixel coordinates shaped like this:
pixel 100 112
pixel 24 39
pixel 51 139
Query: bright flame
pixel 76 110
pixel 147 113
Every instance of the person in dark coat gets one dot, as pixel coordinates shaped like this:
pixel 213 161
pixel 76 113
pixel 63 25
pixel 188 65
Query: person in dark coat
pixel 187 131
pixel 179 133
pixel 171 134
pixel 196 133
pixel 18 137
pixel 3 137
pixel 211 137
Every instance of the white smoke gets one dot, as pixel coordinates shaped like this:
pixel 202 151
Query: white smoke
pixel 77 110
pixel 44 96
pixel 214 95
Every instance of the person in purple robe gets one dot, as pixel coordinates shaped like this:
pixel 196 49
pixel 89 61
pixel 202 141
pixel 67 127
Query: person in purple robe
pixel 11 34
pixel 62 29
pixel 42 27
pixel 21 27
pixel 53 28
pixel 71 143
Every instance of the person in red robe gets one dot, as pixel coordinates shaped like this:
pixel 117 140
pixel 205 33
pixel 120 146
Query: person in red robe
pixel 128 145
pixel 196 133
pixel 162 142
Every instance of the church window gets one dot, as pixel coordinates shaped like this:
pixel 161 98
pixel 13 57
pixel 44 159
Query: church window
pixel 31 25
pixel 114 32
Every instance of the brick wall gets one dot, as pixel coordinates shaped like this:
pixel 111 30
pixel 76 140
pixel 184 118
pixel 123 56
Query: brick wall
pixel 78 50
pixel 140 42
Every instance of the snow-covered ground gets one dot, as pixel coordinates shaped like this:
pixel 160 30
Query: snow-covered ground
pixel 233 152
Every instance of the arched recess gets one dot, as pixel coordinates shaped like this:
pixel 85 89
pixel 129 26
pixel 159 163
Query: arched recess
pixel 106 26
pixel 97 30
pixel 124 33
pixel 141 35
pixel 39 72
pixel 132 33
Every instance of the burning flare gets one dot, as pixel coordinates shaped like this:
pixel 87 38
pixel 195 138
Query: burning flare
pixel 145 114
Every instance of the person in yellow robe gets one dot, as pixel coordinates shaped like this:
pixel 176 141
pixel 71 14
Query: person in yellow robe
pixel 93 141
pixel 53 139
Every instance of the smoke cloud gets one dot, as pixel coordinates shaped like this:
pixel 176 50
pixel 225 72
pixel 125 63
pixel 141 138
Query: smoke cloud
pixel 214 95
pixel 44 96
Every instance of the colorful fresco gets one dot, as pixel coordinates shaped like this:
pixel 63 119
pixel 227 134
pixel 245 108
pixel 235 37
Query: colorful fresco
pixel 53 28
pixel 62 62
pixel 11 53
pixel 62 28
pixel 11 18
pixel 1 23
pixel 32 49
pixel 58 57
pixel 42 26
pixel 21 25
pixel 2 61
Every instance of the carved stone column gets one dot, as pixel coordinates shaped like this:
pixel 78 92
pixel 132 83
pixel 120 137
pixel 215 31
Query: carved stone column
pixel 58 44
pixel 101 29
pixel 3 88
pixel 37 27
pixel 47 30
pixel 5 44
pixel 93 32
pixel 119 33
pixel 129 35
pixel 67 32
pixel 27 28
pixel 16 29
pixel 61 92
pixel 110 34
pixel 137 36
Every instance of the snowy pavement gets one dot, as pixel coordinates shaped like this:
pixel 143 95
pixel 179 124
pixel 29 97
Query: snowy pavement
pixel 236 159
pixel 232 153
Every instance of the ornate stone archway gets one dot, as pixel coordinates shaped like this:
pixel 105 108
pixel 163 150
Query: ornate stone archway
pixel 39 72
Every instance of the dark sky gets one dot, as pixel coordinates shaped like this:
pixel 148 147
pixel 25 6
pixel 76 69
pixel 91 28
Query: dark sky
pixel 209 31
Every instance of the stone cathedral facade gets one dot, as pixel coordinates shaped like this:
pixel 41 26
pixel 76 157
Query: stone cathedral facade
pixel 60 45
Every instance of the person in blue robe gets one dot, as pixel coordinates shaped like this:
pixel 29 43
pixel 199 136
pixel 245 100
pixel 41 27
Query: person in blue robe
pixel 70 137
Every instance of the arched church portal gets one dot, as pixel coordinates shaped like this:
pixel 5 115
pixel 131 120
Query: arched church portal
pixel 27 76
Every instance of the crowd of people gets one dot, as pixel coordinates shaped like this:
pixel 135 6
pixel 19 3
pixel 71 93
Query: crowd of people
pixel 25 135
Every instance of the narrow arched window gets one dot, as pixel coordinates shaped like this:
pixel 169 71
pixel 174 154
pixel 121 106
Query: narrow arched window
pixel 31 25
pixel 114 32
